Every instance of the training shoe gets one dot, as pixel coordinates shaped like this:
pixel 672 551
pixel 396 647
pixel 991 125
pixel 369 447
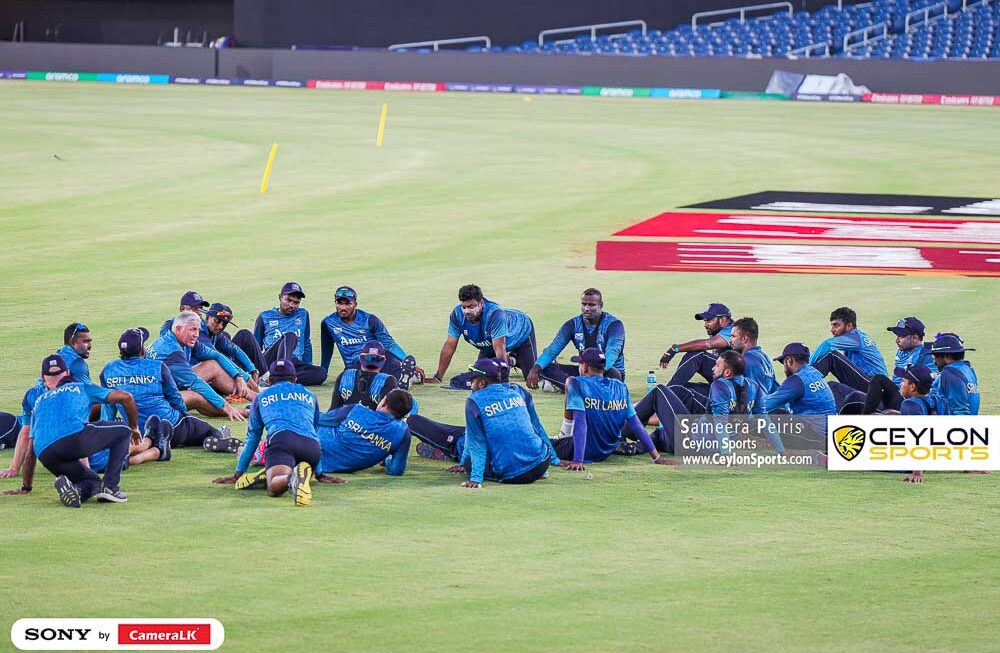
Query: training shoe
pixel 550 387
pixel 626 448
pixel 250 480
pixel 111 494
pixel 430 451
pixel 264 380
pixel 69 495
pixel 222 444
pixel 298 484
pixel 162 441
pixel 407 367
pixel 151 429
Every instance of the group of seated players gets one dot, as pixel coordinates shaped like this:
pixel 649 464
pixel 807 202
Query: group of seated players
pixel 79 429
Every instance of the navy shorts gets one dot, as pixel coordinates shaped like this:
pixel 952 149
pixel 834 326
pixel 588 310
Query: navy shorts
pixel 289 448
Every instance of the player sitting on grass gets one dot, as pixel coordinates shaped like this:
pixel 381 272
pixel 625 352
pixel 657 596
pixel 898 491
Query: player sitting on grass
pixel 956 381
pixel 883 392
pixel 507 334
pixel 356 437
pixel 77 343
pixel 290 414
pixel 176 348
pixel 597 409
pixel 502 440
pixel 591 328
pixel 700 355
pixel 61 436
pixel 350 329
pixel 284 332
pixel 213 333
pixel 851 355
pixel 366 385
pixel 756 364
pixel 804 391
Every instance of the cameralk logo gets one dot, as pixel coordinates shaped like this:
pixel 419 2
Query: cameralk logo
pixel 117 634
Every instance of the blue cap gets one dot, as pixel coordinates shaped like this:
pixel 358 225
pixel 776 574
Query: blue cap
pixel 345 292
pixel 131 341
pixel 292 288
pixel 372 354
pixel 282 368
pixel 919 374
pixel 908 326
pixel 591 356
pixel 191 298
pixel 491 368
pixel 793 349
pixel 948 343
pixel 221 312
pixel 713 311
pixel 54 364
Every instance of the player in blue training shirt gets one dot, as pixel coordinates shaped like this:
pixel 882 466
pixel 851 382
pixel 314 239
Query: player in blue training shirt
pixel 366 385
pixel 804 391
pixel 502 440
pixel 851 355
pixel 956 381
pixel 700 355
pixel 77 343
pixel 213 333
pixel 290 415
pixel 494 331
pixel 22 450
pixel 598 408
pixel 176 349
pixel 348 329
pixel 190 301
pixel 756 364
pixel 284 332
pixel 884 392
pixel 591 328
pixel 356 437
pixel 61 436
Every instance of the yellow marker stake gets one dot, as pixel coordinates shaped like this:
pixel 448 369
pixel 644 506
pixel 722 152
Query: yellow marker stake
pixel 267 170
pixel 381 125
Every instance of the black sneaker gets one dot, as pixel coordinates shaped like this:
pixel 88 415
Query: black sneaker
pixel 221 444
pixel 626 448
pixel 407 367
pixel 111 494
pixel 151 429
pixel 162 441
pixel 69 495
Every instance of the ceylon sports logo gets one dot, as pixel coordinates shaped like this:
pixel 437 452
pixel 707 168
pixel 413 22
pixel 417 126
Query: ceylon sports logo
pixel 906 442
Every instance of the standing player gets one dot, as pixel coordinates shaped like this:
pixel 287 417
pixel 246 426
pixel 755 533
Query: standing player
pixel 851 355
pixel 502 439
pixel 356 437
pixel 290 414
pixel 62 436
pixel 284 332
pixel 592 328
pixel 368 385
pixel 349 329
pixel 506 334
pixel 956 381
pixel 77 343
pixel 700 355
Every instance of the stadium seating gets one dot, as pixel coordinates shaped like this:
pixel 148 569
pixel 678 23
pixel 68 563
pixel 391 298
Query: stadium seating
pixel 966 34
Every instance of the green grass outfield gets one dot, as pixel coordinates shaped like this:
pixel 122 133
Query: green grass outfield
pixel 157 192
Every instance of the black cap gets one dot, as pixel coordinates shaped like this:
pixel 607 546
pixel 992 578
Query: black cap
pixel 131 341
pixel 221 312
pixel 191 298
pixel 53 365
pixel 292 288
pixel 713 311
pixel 793 349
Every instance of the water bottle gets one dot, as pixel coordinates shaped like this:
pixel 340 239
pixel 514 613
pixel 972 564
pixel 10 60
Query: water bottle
pixel 651 381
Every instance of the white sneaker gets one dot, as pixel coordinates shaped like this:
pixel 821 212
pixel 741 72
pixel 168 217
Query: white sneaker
pixel 548 386
pixel 226 431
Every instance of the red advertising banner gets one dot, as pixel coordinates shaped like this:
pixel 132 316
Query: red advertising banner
pixel 358 85
pixel 946 100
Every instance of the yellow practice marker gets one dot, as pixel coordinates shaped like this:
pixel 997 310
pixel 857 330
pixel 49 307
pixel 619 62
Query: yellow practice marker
pixel 381 125
pixel 267 170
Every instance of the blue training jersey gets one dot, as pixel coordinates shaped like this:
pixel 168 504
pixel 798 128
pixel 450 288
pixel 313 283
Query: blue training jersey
pixel 150 384
pixel 608 335
pixel 958 385
pixel 28 402
pixel 931 404
pixel 272 324
pixel 369 392
pixel 606 406
pixel 858 348
pixel 63 411
pixel 758 368
pixel 805 392
pixel 494 322
pixel 736 396
pixel 350 338
pixel 284 406
pixel 356 437
pixel 225 346
pixel 502 428
pixel 77 365
pixel 919 355
pixel 167 349
pixel 726 333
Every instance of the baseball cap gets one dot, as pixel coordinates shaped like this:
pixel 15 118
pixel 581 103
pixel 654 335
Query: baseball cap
pixel 131 341
pixel 908 326
pixel 793 349
pixel 372 354
pixel 292 288
pixel 345 292
pixel 282 368
pixel 713 311
pixel 191 298
pixel 919 374
pixel 491 368
pixel 948 343
pixel 54 364
pixel 591 356
pixel 221 312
